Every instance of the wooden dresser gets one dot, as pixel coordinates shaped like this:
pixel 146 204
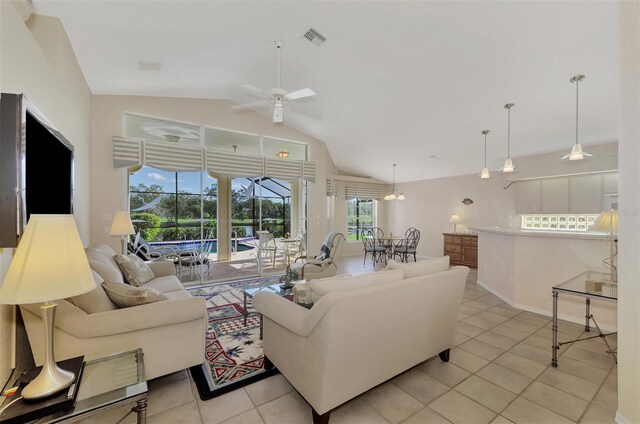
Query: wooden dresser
pixel 461 248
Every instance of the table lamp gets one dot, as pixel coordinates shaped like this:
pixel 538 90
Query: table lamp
pixel 122 226
pixel 608 222
pixel 455 219
pixel 49 263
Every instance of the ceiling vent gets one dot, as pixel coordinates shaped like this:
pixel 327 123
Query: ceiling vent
pixel 314 37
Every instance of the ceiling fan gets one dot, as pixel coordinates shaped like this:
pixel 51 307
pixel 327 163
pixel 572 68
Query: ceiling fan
pixel 277 96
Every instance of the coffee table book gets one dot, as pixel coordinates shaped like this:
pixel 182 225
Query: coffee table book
pixel 21 411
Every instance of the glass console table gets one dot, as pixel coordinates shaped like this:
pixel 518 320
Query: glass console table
pixel 106 383
pixel 590 285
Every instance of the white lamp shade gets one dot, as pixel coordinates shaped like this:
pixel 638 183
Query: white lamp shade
pixel 508 166
pixel 607 222
pixel 401 196
pixel 455 219
pixel 49 263
pixel 121 224
pixel 485 173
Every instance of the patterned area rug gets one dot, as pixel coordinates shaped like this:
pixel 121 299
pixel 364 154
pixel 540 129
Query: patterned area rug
pixel 233 350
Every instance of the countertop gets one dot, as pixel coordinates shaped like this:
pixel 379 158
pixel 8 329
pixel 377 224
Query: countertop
pixel 583 235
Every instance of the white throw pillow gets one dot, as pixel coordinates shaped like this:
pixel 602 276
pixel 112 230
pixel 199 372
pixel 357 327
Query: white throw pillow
pixel 124 295
pixel 328 285
pixel 415 269
pixel 134 270
pixel 96 300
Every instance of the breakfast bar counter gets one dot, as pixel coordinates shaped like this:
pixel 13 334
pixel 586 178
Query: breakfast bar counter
pixel 521 267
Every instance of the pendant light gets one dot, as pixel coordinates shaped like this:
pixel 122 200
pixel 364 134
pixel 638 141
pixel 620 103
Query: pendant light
pixel 485 171
pixel 576 150
pixel 392 195
pixel 508 164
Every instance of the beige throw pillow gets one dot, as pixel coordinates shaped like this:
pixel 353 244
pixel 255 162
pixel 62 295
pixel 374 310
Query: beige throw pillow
pixel 125 296
pixel 328 285
pixel 134 270
pixel 415 269
pixel 96 300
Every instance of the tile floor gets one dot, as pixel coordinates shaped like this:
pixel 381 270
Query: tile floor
pixel 498 373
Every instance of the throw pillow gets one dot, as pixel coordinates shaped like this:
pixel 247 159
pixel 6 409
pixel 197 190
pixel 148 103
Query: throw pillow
pixel 327 285
pixel 415 269
pixel 96 300
pixel 124 296
pixel 134 270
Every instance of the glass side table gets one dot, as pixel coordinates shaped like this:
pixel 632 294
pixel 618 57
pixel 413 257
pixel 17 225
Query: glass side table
pixel 590 285
pixel 107 383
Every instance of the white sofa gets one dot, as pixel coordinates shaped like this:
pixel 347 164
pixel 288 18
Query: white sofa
pixel 170 333
pixel 354 339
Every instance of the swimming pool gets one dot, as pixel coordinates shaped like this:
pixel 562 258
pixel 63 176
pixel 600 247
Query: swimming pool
pixel 195 244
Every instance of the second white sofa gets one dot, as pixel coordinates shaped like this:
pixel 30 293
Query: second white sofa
pixel 363 331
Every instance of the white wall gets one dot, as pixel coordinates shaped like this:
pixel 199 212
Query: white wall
pixel 109 189
pixel 41 64
pixel 629 227
pixel 430 203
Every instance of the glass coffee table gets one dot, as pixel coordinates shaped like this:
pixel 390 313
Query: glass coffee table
pixel 275 288
pixel 590 285
pixel 106 383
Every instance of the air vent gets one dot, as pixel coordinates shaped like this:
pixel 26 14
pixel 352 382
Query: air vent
pixel 314 37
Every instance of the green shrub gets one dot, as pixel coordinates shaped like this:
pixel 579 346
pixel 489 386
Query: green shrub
pixel 147 224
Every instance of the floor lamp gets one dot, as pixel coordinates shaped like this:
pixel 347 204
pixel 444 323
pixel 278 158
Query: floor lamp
pixel 122 226
pixel 608 222
pixel 49 263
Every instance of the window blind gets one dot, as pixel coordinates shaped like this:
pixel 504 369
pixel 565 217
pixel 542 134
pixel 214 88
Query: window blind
pixel 363 193
pixel 309 171
pixel 171 157
pixel 234 165
pixel 127 152
pixel 331 187
pixel 283 168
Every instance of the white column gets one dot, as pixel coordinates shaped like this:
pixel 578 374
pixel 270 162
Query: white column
pixel 629 213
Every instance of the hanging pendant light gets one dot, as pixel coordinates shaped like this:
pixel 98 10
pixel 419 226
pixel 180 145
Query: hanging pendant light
pixel 485 171
pixel 576 150
pixel 508 164
pixel 393 195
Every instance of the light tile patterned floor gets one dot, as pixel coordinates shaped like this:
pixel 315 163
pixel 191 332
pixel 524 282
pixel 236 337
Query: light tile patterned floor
pixel 498 373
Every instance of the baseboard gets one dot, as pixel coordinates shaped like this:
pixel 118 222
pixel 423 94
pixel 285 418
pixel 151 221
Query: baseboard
pixel 539 311
pixel 619 419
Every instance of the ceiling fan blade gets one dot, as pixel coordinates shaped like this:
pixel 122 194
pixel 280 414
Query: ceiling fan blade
pixel 250 105
pixel 256 90
pixel 300 94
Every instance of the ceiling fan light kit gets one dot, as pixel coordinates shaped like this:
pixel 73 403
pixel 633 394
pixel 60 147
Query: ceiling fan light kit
pixel 278 96
pixel 576 149
pixel 508 164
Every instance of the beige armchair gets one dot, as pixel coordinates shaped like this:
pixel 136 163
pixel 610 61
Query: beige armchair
pixel 324 264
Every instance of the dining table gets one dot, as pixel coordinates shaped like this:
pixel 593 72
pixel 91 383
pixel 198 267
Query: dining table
pixel 390 242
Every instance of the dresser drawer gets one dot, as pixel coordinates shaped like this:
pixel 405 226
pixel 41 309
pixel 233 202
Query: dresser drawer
pixel 455 257
pixel 469 241
pixel 452 239
pixel 452 248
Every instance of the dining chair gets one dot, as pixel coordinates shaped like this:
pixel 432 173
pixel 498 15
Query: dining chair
pixel 371 245
pixel 408 246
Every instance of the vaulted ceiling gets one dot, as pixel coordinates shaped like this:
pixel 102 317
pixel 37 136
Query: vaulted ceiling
pixel 411 83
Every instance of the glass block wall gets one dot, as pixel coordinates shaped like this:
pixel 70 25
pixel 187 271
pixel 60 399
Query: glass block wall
pixel 553 222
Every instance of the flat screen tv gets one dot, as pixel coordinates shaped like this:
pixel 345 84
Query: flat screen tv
pixel 36 167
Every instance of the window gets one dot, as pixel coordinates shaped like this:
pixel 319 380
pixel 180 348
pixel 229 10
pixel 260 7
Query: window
pixel 360 215
pixel 165 206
